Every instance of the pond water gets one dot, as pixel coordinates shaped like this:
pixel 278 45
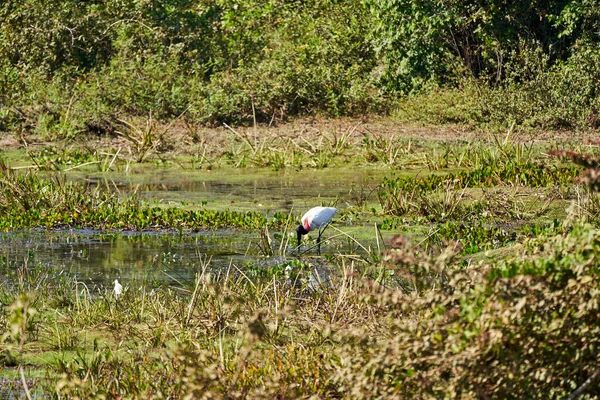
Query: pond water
pixel 245 189
pixel 154 258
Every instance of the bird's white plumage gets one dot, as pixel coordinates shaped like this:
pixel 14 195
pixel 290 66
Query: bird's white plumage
pixel 118 288
pixel 316 217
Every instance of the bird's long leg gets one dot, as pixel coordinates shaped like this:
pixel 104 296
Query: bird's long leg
pixel 321 230
pixel 319 244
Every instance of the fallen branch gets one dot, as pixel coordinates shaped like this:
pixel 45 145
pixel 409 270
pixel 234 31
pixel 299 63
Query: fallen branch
pixel 585 385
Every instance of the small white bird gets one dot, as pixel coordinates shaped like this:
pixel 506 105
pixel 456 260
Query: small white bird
pixel 315 218
pixel 118 288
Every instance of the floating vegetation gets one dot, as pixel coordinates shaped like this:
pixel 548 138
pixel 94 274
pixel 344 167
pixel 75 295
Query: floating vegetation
pixel 27 200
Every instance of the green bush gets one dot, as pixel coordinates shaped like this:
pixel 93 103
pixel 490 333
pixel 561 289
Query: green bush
pixel 302 59
pixel 537 95
pixel 527 330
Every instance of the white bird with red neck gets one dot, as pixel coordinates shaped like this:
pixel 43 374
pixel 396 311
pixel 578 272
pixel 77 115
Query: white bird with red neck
pixel 315 218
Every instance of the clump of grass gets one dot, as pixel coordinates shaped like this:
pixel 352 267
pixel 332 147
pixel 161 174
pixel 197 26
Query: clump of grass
pixel 144 141
pixel 528 174
pixel 390 151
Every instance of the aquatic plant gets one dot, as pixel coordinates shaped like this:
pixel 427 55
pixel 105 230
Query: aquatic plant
pixel 27 200
pixel 396 194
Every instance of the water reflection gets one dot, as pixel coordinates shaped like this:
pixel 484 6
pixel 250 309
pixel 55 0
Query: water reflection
pixel 96 258
pixel 245 189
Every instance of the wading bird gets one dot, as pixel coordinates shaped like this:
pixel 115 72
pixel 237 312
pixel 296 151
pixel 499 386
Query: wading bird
pixel 118 288
pixel 315 218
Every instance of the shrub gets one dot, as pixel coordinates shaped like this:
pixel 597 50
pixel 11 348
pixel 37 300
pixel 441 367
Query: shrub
pixel 530 330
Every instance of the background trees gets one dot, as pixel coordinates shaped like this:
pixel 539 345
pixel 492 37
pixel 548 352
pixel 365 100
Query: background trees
pixel 533 64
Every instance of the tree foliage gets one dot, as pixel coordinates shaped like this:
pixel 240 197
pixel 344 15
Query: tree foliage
pixel 224 60
pixel 423 40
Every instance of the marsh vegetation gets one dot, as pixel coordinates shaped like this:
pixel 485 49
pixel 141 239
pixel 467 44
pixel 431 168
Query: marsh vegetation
pixel 471 272
pixel 454 138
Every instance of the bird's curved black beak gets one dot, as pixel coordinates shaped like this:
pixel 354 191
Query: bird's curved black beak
pixel 300 230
